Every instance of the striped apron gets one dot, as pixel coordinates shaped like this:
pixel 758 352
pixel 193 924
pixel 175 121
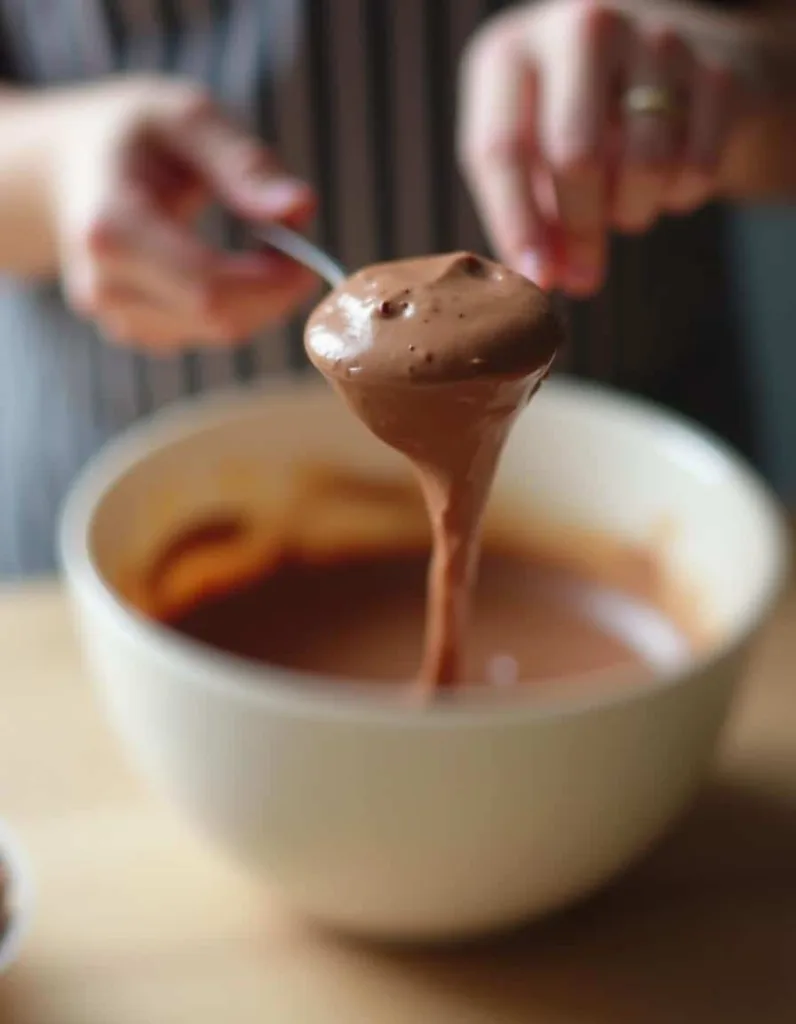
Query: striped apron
pixel 359 97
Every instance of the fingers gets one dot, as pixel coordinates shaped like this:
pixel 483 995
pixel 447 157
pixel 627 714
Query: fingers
pixel 578 62
pixel 141 317
pixel 149 280
pixel 128 316
pixel 712 110
pixel 554 152
pixel 137 317
pixel 130 257
pixel 653 138
pixel 671 159
pixel 237 168
pixel 247 292
pixel 535 111
pixel 497 149
pixel 136 242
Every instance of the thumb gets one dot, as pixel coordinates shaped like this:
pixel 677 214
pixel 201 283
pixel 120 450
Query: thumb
pixel 242 173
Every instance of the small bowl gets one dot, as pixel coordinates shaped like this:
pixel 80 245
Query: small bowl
pixel 371 814
pixel 19 897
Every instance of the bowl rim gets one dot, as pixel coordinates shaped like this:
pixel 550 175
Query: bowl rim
pixel 20 897
pixel 303 694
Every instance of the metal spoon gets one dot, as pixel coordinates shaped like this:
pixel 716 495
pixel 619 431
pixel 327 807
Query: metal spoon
pixel 302 250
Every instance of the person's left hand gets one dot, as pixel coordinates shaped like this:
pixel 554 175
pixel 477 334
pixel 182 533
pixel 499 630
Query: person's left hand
pixel 578 117
pixel 134 160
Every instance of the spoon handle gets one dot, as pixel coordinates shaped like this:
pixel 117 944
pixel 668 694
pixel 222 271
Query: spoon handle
pixel 302 250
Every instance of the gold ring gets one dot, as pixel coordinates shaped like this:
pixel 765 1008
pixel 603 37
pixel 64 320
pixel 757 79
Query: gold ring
pixel 650 99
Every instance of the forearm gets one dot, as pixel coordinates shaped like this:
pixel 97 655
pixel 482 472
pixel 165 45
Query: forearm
pixel 27 241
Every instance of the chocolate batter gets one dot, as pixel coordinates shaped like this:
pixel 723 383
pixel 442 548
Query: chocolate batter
pixel 359 616
pixel 437 356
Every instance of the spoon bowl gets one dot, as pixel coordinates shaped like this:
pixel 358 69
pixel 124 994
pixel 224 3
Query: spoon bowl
pixel 371 812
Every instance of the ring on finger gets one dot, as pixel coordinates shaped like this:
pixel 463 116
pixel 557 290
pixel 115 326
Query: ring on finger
pixel 655 100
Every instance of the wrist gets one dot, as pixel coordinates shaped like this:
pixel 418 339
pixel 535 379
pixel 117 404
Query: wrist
pixel 48 160
pixel 27 161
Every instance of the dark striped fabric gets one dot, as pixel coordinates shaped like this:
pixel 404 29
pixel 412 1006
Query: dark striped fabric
pixel 358 96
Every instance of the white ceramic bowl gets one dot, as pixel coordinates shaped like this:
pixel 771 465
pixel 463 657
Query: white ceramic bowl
pixel 398 821
pixel 18 898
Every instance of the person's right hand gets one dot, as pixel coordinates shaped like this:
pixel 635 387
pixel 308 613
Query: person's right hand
pixel 135 162
pixel 582 116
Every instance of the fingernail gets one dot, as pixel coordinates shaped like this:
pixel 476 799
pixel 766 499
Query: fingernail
pixel 530 265
pixel 279 196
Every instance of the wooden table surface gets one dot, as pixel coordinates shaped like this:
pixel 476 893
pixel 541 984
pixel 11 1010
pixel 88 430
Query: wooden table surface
pixel 138 923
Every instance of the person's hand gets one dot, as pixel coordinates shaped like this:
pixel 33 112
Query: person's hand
pixel 134 163
pixel 578 117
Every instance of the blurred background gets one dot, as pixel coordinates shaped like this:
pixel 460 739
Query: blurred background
pixel 359 97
